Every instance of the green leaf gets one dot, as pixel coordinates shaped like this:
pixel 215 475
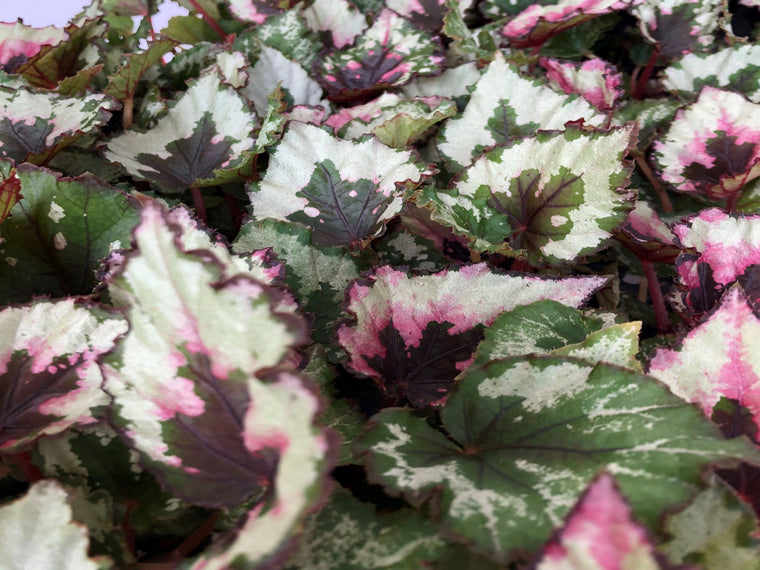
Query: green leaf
pixel 521 439
pixel 59 232
pixel 123 83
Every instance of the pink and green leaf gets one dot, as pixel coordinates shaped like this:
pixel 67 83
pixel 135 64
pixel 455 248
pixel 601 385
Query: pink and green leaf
pixel 678 27
pixel 49 375
pixel 647 236
pixel 600 533
pixel 389 54
pixel 597 81
pixel 343 190
pixel 414 334
pixel 206 138
pixel 553 197
pixel 178 379
pixel 498 472
pixel 19 42
pixel 505 105
pixel 258 11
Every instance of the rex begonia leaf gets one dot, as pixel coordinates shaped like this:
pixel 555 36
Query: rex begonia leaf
pixel 39 531
pixel 36 125
pixel 280 418
pixel 714 530
pixel 554 197
pixel 10 193
pixel 395 121
pixel 389 54
pixel 49 376
pixel 425 14
pixel 736 68
pixel 617 344
pixel 317 275
pixel 718 358
pixel 678 27
pixel 205 139
pixel 407 249
pixel 521 439
pixel 19 42
pixel 182 378
pixel 343 190
pixel 505 105
pixel 123 83
pixel 272 69
pixel 257 11
pixel 348 534
pixel 600 533
pixel 712 146
pixel 537 23
pixel 647 236
pixel 414 335
pixel 338 17
pixel 597 81
pixel 652 115
pixel 56 62
pixel 454 83
pixel 59 232
pixel 290 35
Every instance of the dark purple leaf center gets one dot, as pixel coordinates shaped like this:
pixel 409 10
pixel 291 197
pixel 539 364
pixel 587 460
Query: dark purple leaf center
pixel 730 159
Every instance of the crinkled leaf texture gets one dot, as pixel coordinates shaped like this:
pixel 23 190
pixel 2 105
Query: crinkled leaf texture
pixel 719 358
pixel 521 439
pixel 183 380
pixel 600 533
pixel 38 531
pixel 35 125
pixel 49 375
pixel 343 190
pixel 204 139
pixel 505 105
pixel 713 146
pixel 414 334
pixel 556 196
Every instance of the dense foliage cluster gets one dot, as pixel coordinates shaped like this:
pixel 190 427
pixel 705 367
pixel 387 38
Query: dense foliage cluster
pixel 381 284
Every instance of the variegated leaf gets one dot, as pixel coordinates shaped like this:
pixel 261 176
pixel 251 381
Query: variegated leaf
pixel 505 105
pixel 34 125
pixel 407 249
pixel 647 236
pixel 19 42
pixel 454 83
pixel 413 335
pixel 736 68
pixel 49 374
pixel 719 358
pixel 338 17
pixel 123 83
pixel 389 54
pixel 348 534
pixel 343 190
pixel 537 23
pixel 205 139
pixel 600 534
pixel 289 34
pixel 497 469
pixel 597 81
pixel 678 27
pixel 257 11
pixel 59 232
pixel 182 379
pixel 395 121
pixel 10 191
pixel 553 197
pixel 425 14
pixel 712 146
pixel 39 531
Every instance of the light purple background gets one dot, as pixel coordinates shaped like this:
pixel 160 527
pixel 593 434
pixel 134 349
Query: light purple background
pixel 41 13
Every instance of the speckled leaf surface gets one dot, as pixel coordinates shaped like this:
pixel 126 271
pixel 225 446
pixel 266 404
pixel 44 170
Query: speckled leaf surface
pixel 500 466
pixel 36 125
pixel 736 67
pixel 712 146
pixel 597 81
pixel 49 375
pixel 389 54
pixel 537 23
pixel 59 232
pixel 553 197
pixel 678 27
pixel 348 534
pixel 714 530
pixel 504 105
pixel 179 378
pixel 599 533
pixel 39 531
pixel 414 334
pixel 395 121
pixel 343 190
pixel 206 138
pixel 716 359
